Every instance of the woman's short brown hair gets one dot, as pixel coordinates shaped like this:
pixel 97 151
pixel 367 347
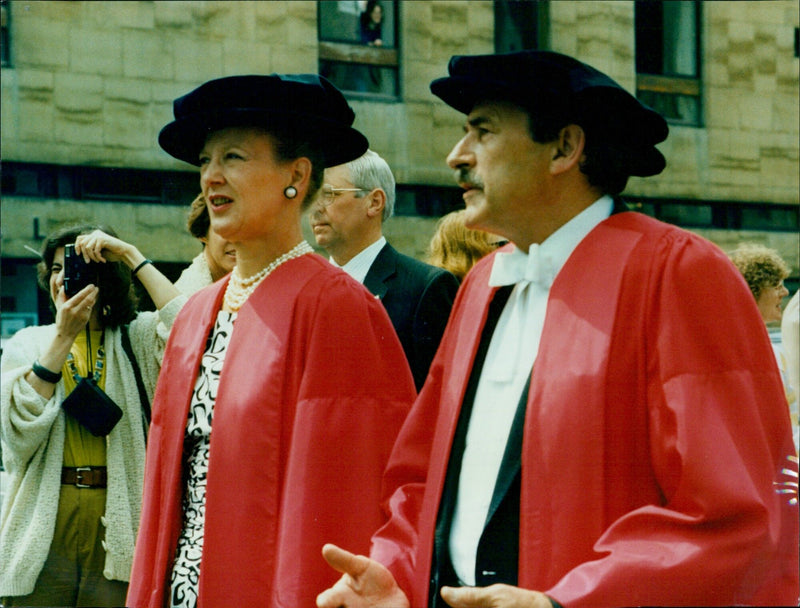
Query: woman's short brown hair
pixel 760 266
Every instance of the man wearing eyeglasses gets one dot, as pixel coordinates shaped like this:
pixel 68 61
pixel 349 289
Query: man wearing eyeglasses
pixel 347 221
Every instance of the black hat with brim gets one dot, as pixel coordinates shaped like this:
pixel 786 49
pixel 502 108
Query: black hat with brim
pixel 558 85
pixel 306 105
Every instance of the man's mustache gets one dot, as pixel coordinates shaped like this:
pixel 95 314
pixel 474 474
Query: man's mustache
pixel 465 176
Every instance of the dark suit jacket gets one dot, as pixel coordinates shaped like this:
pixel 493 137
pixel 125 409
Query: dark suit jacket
pixel 418 298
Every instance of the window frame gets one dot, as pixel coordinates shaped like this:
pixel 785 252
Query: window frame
pixel 357 54
pixel 5 26
pixel 539 33
pixel 676 84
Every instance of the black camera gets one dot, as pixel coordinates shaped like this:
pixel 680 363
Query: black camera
pixel 78 273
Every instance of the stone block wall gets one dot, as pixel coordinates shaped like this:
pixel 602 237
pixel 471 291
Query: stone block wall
pixel 92 83
pixel 753 120
pixel 747 150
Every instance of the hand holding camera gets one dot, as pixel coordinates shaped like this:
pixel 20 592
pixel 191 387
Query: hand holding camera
pixel 83 258
pixel 78 273
pixel 74 308
pixel 97 246
pixel 82 268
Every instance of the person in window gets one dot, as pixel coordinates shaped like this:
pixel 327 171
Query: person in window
pixel 71 507
pixel 283 384
pixel 371 24
pixel 764 270
pixel 370 28
pixel 217 258
pixel 604 423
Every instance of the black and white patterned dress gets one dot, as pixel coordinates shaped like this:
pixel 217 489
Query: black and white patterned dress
pixel 186 568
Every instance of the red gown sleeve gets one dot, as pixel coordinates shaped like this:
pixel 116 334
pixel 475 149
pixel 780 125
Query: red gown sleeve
pixel 719 440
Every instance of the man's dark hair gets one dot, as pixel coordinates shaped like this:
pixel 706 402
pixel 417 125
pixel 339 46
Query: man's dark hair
pixel 117 299
pixel 604 165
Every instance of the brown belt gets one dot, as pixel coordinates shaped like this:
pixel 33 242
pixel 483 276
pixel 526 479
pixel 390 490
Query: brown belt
pixel 84 477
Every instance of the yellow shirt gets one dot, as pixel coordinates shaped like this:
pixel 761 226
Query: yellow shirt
pixel 81 448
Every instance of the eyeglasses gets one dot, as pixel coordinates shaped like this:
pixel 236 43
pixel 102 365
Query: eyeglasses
pixel 327 194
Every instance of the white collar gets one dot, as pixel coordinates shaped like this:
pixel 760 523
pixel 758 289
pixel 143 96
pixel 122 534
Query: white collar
pixel 358 266
pixel 543 262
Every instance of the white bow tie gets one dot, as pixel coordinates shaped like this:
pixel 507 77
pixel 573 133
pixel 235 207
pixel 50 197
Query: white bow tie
pixel 535 266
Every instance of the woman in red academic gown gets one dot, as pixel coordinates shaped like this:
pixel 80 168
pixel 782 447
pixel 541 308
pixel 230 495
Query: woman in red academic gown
pixel 284 386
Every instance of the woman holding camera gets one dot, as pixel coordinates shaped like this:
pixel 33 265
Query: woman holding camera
pixel 72 507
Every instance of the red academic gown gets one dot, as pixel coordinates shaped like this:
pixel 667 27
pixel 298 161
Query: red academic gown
pixel 313 391
pixel 656 427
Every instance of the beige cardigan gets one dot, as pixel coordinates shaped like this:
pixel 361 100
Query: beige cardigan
pixel 32 436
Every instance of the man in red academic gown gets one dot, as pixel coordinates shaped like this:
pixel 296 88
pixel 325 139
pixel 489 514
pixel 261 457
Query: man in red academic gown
pixel 603 424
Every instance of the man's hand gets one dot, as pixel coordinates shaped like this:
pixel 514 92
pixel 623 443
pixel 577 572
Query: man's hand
pixel 365 583
pixel 495 596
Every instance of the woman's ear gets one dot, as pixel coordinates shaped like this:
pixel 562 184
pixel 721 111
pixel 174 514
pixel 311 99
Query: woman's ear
pixel 568 149
pixel 300 169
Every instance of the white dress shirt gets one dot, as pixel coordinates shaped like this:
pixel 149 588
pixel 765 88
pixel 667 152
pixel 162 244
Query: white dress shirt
pixel 359 265
pixel 506 369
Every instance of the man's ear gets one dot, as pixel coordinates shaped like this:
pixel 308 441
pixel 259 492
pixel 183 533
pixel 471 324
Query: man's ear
pixel 567 149
pixel 376 201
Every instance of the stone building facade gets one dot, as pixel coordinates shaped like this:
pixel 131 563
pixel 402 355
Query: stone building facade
pixel 86 87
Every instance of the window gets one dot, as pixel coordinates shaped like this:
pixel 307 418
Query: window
pixel 668 58
pixel 358 47
pixel 520 25
pixel 427 201
pixel 722 215
pixel 5 50
pixel 104 184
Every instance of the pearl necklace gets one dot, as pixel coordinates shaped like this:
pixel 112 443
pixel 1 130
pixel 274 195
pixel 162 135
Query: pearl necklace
pixel 239 289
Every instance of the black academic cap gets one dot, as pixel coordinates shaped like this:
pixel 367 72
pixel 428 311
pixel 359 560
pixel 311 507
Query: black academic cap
pixel 545 81
pixel 308 104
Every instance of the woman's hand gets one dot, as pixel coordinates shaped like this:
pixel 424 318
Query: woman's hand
pixel 72 316
pixel 98 246
pixel 74 313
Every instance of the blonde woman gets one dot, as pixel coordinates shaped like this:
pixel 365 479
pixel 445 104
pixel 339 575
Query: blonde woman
pixel 456 248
